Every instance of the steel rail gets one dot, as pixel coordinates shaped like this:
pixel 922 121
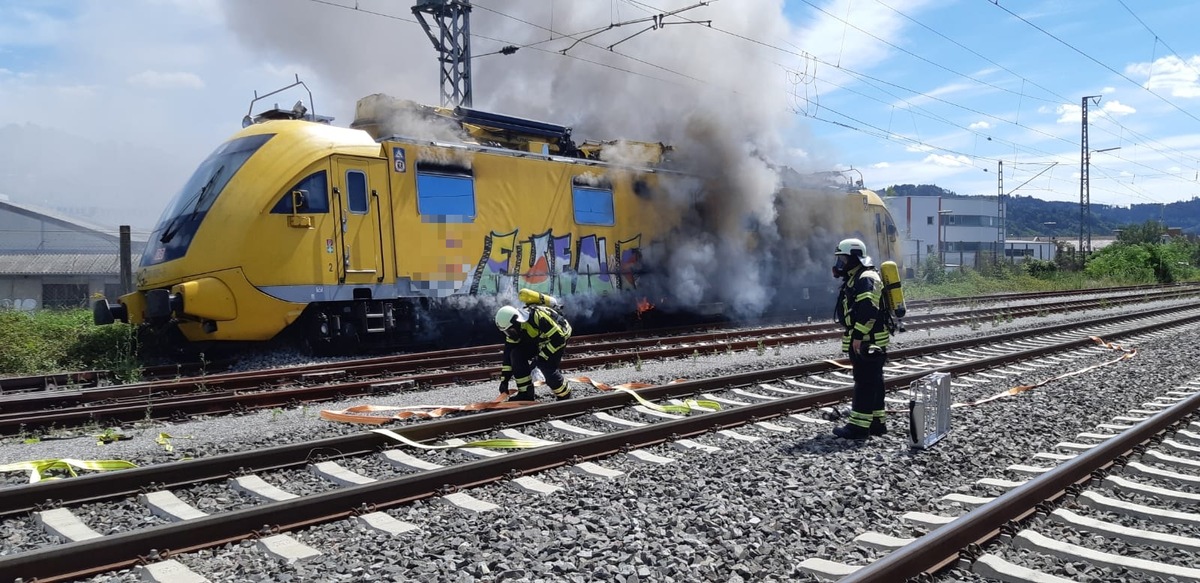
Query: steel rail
pixel 944 545
pixel 410 363
pixel 103 486
pixel 78 559
pixel 162 373
pixel 22 413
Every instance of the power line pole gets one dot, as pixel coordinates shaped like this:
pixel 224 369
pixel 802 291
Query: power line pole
pixel 1085 198
pixel 1000 226
pixel 453 44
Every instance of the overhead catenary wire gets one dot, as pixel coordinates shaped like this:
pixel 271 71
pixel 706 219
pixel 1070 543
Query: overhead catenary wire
pixel 1095 60
pixel 869 129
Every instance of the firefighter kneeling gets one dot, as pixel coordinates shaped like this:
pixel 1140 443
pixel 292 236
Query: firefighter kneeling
pixel 868 325
pixel 533 338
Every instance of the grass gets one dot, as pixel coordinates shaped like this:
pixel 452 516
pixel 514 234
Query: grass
pixel 48 341
pixel 971 283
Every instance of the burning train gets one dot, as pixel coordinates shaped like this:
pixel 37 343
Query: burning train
pixel 380 234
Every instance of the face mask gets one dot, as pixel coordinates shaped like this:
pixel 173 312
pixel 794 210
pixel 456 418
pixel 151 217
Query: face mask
pixel 839 268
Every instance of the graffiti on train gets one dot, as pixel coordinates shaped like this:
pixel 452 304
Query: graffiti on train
pixel 557 264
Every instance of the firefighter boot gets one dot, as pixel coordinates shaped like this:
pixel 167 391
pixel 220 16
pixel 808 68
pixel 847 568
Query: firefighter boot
pixel 562 393
pixel 878 426
pixel 859 427
pixel 851 431
pixel 523 395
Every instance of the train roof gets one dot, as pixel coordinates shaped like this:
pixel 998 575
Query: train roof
pixel 389 118
pixel 308 138
pixel 383 118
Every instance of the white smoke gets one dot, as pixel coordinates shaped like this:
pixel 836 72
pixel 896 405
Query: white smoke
pixel 722 103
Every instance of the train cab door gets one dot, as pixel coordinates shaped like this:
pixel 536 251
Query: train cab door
pixel 358 185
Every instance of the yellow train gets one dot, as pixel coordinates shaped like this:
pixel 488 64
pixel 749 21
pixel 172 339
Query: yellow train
pixel 347 241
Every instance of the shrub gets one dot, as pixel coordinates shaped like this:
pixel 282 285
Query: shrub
pixel 64 340
pixel 1039 268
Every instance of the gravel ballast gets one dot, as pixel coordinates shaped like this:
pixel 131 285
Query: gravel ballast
pixel 750 512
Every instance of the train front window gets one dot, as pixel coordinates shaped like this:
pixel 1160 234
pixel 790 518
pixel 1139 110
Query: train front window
pixel 182 217
pixel 314 197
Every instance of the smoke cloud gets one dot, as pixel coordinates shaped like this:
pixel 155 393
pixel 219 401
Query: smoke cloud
pixel 724 104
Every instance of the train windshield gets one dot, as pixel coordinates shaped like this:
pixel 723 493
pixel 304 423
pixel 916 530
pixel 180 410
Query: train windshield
pixel 181 219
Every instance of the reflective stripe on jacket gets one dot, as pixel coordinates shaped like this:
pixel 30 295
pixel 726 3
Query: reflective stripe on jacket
pixel 857 309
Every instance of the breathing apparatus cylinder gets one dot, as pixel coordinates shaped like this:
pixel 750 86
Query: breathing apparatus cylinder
pixel 890 273
pixel 533 298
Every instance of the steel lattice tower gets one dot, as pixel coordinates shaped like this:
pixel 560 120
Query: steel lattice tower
pixel 453 43
pixel 1085 198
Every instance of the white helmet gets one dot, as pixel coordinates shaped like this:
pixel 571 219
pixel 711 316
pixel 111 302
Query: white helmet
pixel 853 248
pixel 508 317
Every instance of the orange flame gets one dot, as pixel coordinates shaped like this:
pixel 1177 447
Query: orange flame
pixel 644 306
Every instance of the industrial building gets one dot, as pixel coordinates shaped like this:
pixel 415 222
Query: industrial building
pixel 961 232
pixel 50 260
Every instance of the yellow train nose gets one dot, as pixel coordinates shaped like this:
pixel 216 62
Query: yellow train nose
pixel 206 298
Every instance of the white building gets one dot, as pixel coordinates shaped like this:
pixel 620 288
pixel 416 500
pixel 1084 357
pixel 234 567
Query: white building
pixel 1039 248
pixel 959 231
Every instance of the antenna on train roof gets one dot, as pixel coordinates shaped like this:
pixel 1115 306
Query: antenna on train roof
pixel 297 111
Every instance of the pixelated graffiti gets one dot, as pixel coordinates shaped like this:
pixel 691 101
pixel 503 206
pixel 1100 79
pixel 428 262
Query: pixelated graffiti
pixel 553 265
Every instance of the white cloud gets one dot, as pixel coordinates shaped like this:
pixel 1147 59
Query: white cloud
pixel 947 160
pixel 918 148
pixel 1116 108
pixel 1181 78
pixel 879 165
pixel 980 125
pixel 1069 113
pixel 1108 90
pixel 157 80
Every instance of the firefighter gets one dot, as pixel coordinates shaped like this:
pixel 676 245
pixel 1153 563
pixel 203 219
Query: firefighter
pixel 533 338
pixel 865 338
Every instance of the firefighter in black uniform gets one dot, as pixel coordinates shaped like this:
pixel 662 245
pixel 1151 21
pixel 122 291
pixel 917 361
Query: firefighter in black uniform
pixel 535 338
pixel 865 339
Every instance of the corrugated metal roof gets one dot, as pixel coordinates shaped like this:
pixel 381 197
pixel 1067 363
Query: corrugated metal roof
pixel 60 264
pixel 55 216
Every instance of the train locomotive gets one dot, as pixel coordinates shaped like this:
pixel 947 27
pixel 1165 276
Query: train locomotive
pixel 348 238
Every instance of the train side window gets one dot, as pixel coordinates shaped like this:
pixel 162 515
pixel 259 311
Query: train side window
pixel 593 206
pixel 356 191
pixel 878 224
pixel 315 187
pixel 449 197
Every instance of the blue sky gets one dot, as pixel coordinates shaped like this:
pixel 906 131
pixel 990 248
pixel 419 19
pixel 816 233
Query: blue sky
pixel 119 100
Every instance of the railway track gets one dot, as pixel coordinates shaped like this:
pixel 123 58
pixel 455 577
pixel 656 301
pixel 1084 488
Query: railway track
pixel 1105 473
pixel 595 428
pixel 179 372
pixel 237 392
